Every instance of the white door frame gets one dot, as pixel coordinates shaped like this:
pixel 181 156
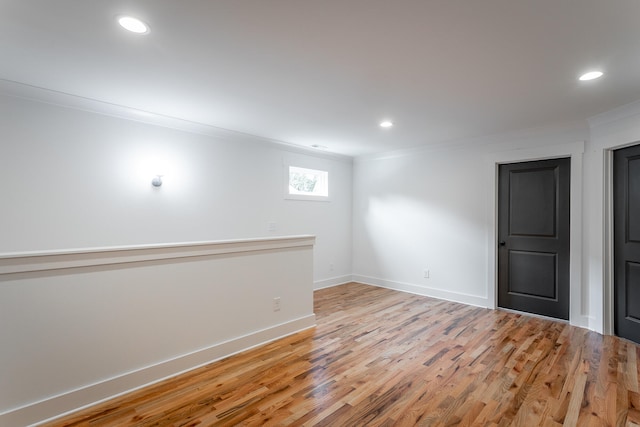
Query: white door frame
pixel 577 305
pixel 608 309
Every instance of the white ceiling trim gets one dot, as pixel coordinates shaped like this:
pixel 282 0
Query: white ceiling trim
pixel 48 96
pixel 619 113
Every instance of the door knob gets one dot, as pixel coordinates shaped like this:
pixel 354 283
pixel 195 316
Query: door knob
pixel 502 243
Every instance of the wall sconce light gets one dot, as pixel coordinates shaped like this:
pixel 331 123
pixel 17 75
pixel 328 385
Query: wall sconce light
pixel 157 181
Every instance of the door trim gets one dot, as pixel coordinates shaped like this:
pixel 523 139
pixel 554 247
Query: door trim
pixel 578 304
pixel 608 309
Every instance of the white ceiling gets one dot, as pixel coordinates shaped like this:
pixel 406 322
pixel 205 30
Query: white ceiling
pixel 327 72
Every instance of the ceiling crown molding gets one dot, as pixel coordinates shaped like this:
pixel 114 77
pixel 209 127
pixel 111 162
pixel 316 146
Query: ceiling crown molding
pixel 619 113
pixel 62 99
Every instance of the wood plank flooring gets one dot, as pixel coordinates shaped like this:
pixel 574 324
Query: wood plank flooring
pixel 385 358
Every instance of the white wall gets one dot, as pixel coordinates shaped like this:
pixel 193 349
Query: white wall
pixel 424 210
pixel 432 209
pixel 76 179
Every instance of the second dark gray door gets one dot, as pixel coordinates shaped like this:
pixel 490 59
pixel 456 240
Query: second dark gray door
pixel 533 237
pixel 626 193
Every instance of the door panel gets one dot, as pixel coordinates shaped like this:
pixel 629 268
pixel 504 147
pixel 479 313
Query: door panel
pixel 632 275
pixel 626 193
pixel 533 203
pixel 533 274
pixel 533 235
pixel 633 200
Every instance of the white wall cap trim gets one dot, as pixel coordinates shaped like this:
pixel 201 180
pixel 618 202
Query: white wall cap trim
pixel 24 262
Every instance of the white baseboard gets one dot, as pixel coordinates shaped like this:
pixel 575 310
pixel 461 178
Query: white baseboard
pixel 332 281
pixel 423 290
pixel 57 406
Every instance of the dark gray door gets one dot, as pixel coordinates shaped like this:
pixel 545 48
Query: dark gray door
pixel 626 205
pixel 533 237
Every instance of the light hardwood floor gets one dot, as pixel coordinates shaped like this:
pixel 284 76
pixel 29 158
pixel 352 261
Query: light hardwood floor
pixel 385 358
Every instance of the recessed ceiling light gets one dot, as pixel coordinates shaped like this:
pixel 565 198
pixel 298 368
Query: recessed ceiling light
pixel 590 75
pixel 386 124
pixel 133 24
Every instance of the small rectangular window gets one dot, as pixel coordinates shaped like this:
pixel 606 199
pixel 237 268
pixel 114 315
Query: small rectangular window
pixel 308 184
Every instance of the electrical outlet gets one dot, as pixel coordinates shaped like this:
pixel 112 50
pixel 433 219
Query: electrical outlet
pixel 426 274
pixel 331 267
pixel 276 304
pixel 272 226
